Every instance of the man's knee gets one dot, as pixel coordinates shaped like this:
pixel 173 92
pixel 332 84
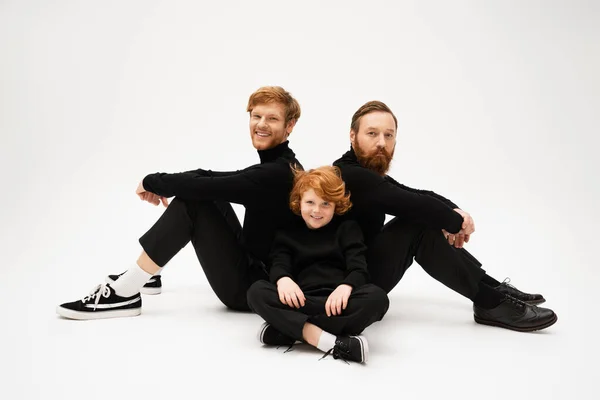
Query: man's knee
pixel 238 303
pixel 178 202
pixel 235 300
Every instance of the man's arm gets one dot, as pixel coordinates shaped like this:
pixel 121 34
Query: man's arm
pixel 468 224
pixel 373 190
pixel 240 187
pixel 449 203
pixel 210 173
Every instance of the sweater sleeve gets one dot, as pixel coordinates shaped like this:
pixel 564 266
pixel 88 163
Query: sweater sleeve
pixel 212 174
pixel 242 187
pixel 280 258
pixel 375 191
pixel 354 249
pixel 449 203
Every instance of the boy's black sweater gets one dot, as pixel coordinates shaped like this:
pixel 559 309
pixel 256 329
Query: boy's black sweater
pixel 373 196
pixel 320 258
pixel 262 188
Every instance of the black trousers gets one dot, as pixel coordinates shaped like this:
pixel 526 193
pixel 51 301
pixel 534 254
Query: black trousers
pixel 215 232
pixel 392 251
pixel 366 305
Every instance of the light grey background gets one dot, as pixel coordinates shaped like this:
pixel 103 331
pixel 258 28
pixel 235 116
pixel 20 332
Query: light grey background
pixel 498 108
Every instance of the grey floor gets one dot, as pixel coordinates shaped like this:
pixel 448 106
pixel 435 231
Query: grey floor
pixel 186 345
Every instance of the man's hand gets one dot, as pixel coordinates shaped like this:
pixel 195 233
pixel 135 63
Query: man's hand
pixel 468 225
pixel 338 300
pixel 150 197
pixel 290 293
pixel 457 240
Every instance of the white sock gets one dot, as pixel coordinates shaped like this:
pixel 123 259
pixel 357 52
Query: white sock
pixel 326 342
pixel 131 281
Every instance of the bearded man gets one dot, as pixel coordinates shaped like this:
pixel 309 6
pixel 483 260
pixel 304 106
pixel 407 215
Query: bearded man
pixel 426 227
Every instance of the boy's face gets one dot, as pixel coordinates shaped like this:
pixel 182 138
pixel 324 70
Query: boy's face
pixel 315 211
pixel 267 125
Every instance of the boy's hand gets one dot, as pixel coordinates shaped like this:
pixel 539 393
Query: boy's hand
pixel 338 300
pixel 290 293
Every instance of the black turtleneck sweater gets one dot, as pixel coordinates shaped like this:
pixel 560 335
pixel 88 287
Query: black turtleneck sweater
pixel 320 258
pixel 373 196
pixel 263 189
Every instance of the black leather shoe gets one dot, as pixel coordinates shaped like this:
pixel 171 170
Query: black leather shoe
pixel 506 288
pixel 516 315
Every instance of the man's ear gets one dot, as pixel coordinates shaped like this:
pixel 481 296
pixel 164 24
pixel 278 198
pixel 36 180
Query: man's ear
pixel 290 126
pixel 352 136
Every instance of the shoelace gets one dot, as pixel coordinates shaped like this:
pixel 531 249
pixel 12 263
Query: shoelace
pixel 515 291
pixel 518 302
pixel 288 349
pixel 99 291
pixel 507 282
pixel 336 353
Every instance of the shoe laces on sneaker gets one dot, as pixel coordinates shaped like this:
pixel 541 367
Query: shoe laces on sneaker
pixel 290 348
pixel 99 291
pixel 338 351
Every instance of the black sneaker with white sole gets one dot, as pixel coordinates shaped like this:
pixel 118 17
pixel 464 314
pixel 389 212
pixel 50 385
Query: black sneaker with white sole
pixel 102 302
pixel 153 286
pixel 350 348
pixel 272 337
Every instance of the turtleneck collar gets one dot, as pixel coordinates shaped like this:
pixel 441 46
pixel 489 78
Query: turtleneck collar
pixel 273 153
pixel 350 155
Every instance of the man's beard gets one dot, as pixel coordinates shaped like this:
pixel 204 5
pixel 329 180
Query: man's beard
pixel 379 161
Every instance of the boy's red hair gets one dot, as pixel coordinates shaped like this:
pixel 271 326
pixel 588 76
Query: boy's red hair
pixel 326 182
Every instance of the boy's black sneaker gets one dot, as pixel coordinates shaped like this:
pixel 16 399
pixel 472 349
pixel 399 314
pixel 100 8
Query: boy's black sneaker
pixel 102 302
pixel 272 337
pixel 350 348
pixel 153 286
pixel 506 288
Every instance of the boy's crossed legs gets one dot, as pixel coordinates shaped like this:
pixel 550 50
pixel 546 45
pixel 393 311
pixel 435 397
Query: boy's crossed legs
pixel 331 334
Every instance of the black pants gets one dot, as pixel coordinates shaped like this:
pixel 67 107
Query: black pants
pixel 215 232
pixel 392 251
pixel 366 305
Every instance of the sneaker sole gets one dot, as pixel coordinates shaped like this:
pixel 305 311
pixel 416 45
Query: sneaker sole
pixel 364 348
pixel 515 328
pixel 143 290
pixel 261 332
pixel 86 315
